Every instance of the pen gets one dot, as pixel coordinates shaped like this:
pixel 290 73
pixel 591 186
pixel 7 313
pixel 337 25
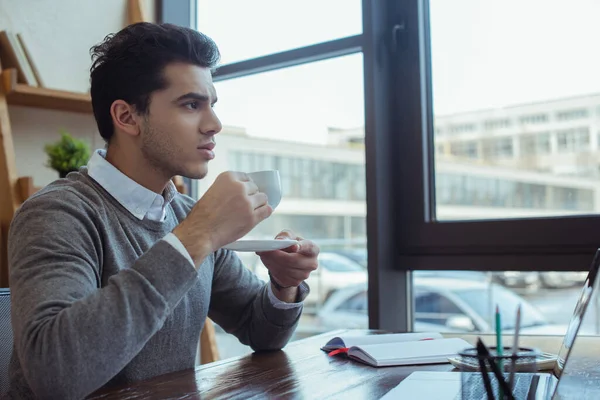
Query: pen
pixel 481 357
pixel 515 349
pixel 502 385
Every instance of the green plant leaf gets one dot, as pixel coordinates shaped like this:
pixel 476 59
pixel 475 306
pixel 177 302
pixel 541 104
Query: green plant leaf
pixel 68 154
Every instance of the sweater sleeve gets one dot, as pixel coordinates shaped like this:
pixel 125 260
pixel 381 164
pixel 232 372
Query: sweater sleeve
pixel 71 335
pixel 240 304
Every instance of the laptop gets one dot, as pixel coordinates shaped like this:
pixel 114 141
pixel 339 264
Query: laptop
pixel 446 385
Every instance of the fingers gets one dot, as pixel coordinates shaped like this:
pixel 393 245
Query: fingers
pixel 289 269
pixel 285 234
pixel 304 247
pixel 263 212
pixel 292 249
pixel 291 279
pixel 290 260
pixel 288 234
pixel 251 187
pixel 308 248
pixel 257 200
pixel 241 176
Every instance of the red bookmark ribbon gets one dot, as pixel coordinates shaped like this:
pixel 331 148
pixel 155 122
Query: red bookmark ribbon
pixel 338 351
pixel 345 349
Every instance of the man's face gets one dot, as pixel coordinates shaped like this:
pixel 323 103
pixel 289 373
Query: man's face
pixel 178 132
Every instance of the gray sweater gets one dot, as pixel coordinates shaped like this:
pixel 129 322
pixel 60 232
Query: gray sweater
pixel 99 300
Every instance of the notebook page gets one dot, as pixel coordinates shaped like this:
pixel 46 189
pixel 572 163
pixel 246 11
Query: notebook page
pixel 422 352
pixel 360 340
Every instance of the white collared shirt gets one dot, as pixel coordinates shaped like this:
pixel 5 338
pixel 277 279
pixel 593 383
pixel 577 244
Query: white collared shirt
pixel 143 203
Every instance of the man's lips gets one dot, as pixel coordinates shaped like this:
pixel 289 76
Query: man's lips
pixel 208 146
pixel 207 150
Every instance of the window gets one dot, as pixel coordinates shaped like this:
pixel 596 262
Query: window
pixel 506 300
pixel 294 101
pixel 320 226
pixel 498 196
pixel 434 308
pixel 461 128
pixel 313 178
pixel 498 148
pixel 463 301
pixel 338 263
pixel 535 144
pixel 533 119
pixel 464 149
pixel 246 29
pixel 572 140
pixel 572 114
pixel 493 124
pixel 518 96
pixel 531 193
pixel 355 304
pixel 508 202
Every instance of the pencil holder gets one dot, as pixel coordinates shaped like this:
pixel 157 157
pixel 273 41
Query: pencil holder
pixel 480 375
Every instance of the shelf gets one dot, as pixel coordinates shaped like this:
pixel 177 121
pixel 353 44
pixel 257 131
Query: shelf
pixel 51 99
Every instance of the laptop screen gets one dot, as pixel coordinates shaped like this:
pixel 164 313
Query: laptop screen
pixel 589 290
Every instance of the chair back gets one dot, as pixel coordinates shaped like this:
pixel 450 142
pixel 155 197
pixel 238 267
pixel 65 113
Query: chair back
pixel 6 338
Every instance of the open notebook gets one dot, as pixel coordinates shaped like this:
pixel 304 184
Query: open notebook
pixel 397 349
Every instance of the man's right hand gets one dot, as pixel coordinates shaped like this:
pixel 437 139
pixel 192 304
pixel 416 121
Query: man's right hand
pixel 229 209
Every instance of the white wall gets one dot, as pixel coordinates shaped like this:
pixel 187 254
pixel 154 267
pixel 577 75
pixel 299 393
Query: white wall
pixel 59 34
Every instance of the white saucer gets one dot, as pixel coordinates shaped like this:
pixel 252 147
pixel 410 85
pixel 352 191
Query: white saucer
pixel 260 245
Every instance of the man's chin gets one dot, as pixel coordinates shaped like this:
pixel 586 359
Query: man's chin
pixel 195 173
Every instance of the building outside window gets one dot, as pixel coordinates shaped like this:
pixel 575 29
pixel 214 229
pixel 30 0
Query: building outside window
pixel 568 115
pixel 572 140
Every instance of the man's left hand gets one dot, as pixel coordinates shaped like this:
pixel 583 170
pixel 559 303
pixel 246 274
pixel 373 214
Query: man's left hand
pixel 290 266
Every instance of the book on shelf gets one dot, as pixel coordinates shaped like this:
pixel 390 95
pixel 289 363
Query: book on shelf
pixel 396 349
pixel 34 68
pixel 13 55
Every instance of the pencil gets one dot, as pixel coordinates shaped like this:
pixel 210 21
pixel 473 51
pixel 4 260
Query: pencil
pixel 499 352
pixel 515 349
pixel 498 333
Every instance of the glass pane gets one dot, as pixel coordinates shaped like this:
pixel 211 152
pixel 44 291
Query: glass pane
pixel 249 29
pixel 465 301
pixel 459 301
pixel 308 123
pixel 517 110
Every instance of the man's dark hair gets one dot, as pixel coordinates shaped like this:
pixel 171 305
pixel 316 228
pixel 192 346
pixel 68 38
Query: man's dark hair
pixel 129 65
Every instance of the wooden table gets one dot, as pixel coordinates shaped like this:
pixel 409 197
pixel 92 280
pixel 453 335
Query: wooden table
pixel 303 371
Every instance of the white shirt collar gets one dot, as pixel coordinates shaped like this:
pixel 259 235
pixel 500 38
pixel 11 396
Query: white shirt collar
pixel 138 200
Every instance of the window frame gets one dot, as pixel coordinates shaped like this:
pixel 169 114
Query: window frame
pixel 548 243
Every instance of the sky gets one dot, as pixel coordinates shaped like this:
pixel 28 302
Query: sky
pixel 485 54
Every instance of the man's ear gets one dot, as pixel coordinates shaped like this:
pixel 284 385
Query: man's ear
pixel 125 118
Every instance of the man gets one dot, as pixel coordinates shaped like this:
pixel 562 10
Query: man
pixel 112 271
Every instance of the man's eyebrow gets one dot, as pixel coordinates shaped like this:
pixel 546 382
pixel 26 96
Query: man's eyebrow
pixel 194 96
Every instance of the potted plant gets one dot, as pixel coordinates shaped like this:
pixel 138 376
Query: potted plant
pixel 67 154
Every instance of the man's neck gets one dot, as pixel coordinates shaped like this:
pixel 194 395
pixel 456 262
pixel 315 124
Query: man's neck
pixel 132 164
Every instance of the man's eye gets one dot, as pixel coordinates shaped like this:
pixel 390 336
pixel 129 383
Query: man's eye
pixel 192 105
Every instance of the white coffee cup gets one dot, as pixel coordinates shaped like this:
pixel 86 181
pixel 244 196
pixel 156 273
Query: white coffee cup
pixel 268 182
